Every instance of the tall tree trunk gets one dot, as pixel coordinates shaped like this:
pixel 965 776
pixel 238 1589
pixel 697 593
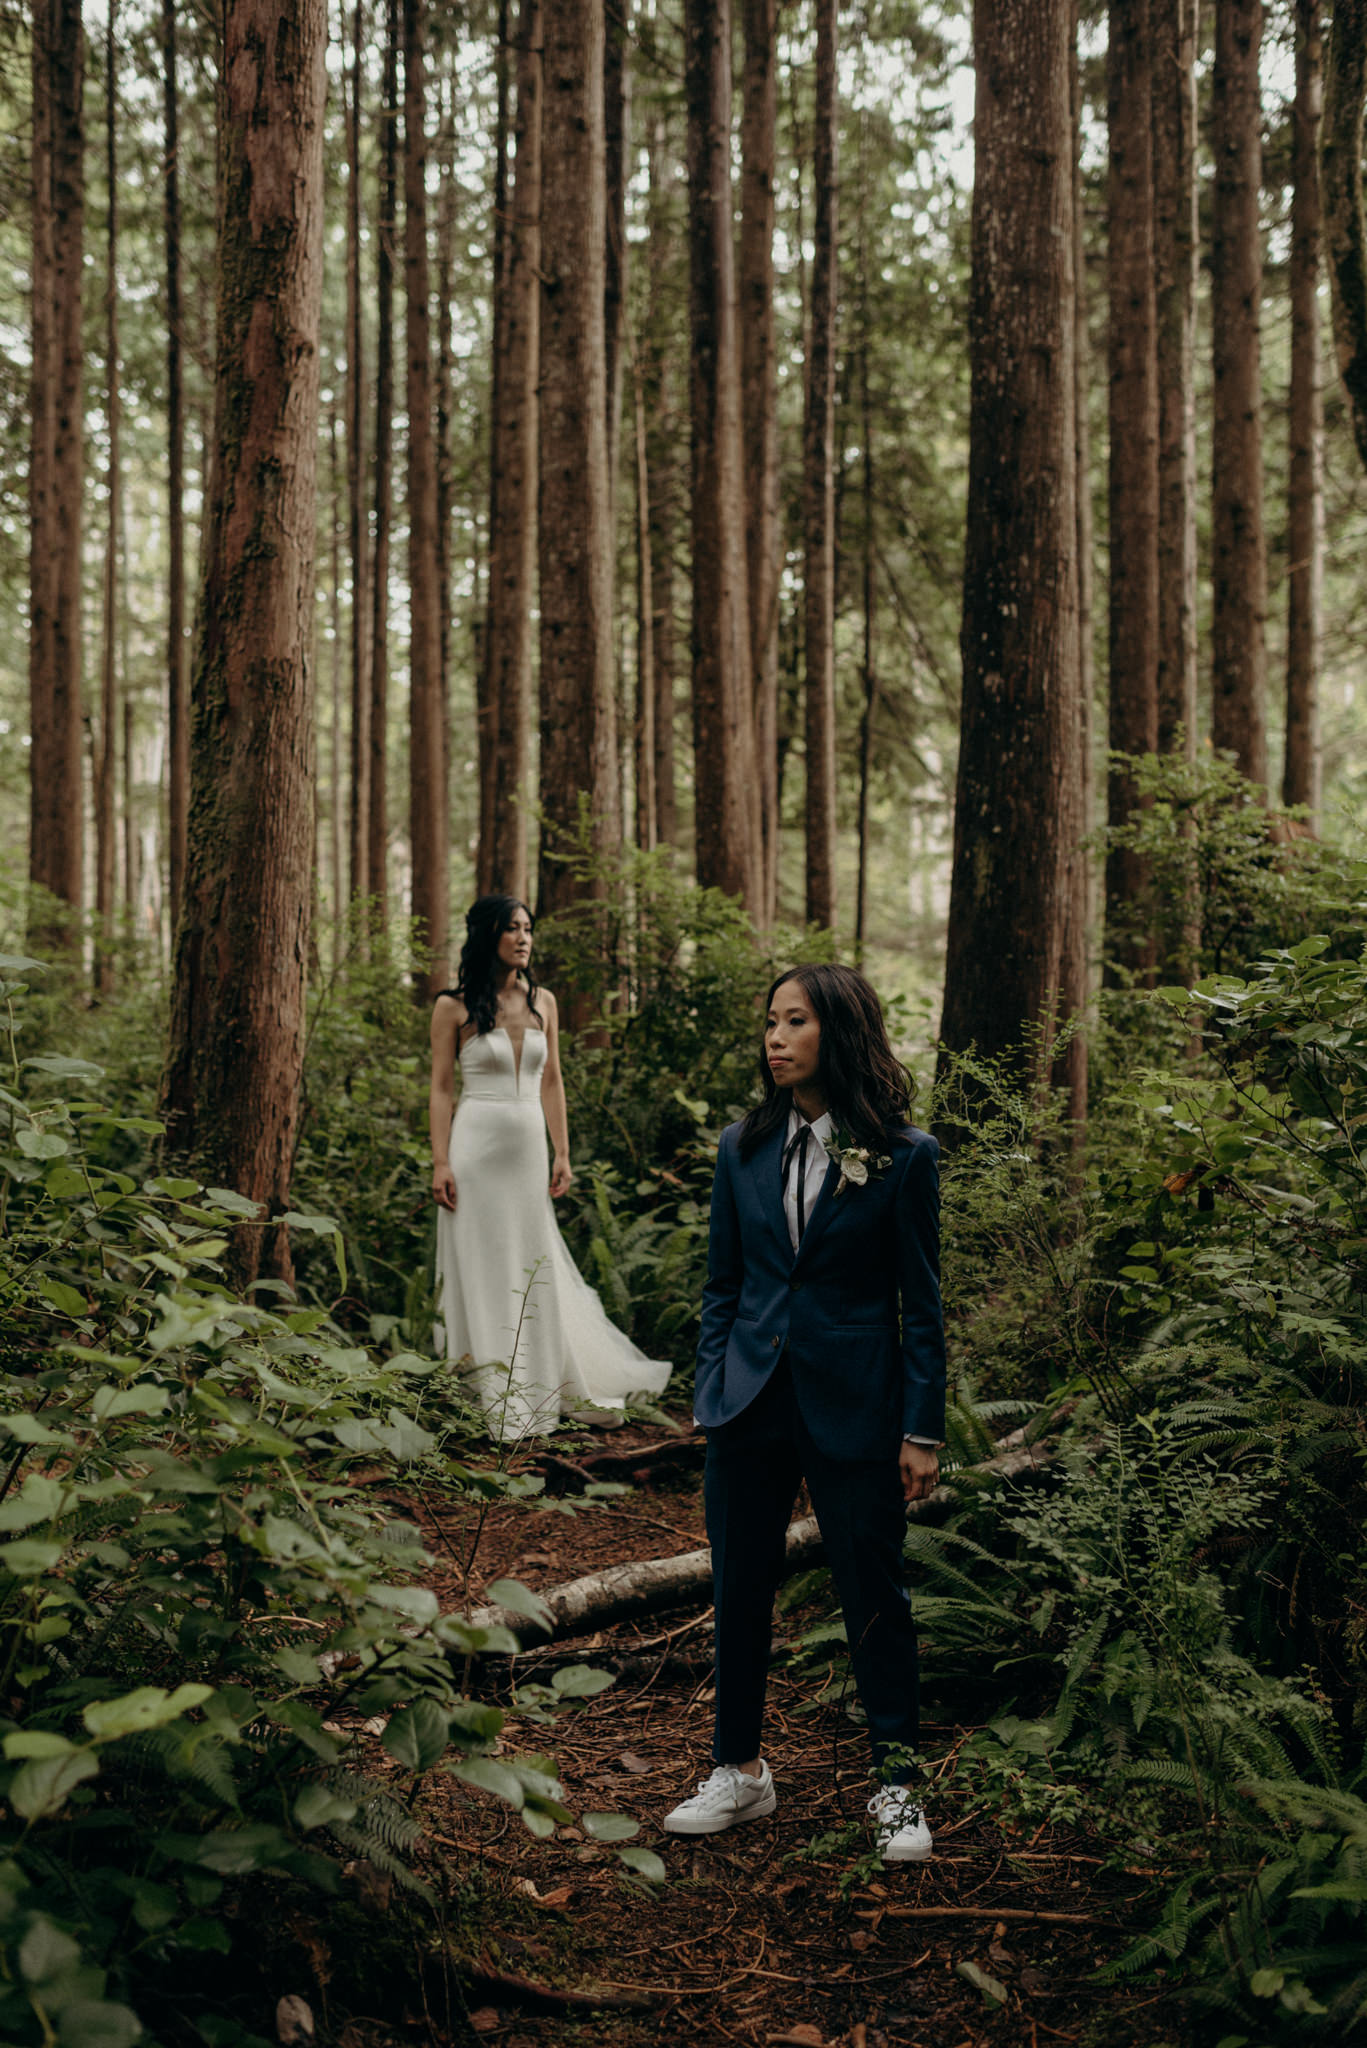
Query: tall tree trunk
pixel 759 411
pixel 644 727
pixel 445 401
pixel 231 1087
pixel 1079 944
pixel 578 699
pixel 726 823
pixel 1345 216
pixel 177 682
pixel 1305 509
pixel 663 458
pixel 337 774
pixel 1175 24
pixel 358 538
pixel 1133 475
pixel 868 592
pixel 1239 566
pixel 56 801
pixel 486 705
pixel 818 492
pixel 428 825
pixel 616 131
pixel 106 820
pixel 377 859
pixel 132 851
pixel 1017 823
pixel 507 663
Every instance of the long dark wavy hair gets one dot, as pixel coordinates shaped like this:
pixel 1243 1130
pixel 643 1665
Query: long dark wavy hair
pixel 869 1091
pixel 477 975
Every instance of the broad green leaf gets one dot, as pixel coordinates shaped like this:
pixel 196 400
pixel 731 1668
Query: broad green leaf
pixel 38 1500
pixel 35 1144
pixel 173 1185
pixel 28 1429
pixel 19 963
pixel 30 1557
pixel 491 1776
pixel 581 1682
pixel 299 1665
pixel 41 1786
pixel 149 1706
pixel 317 1806
pixel 418 1735
pixel 645 1863
pixel 110 1402
pixel 234 1204
pixel 418 1603
pixel 36 1742
pixel 96 2023
pixel 470 1718
pixel 65 1183
pixel 45 1951
pixel 68 1301
pixel 63 1068
pixel 154 1905
pixel 610 1827
pixel 518 1599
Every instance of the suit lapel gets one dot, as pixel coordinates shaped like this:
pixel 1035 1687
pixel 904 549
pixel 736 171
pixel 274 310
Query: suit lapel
pixel 765 1168
pixel 821 1213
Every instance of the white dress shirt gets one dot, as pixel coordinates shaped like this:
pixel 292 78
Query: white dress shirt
pixel 818 1160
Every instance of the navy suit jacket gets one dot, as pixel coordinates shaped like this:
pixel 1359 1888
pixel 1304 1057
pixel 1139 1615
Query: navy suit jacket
pixel 857 1306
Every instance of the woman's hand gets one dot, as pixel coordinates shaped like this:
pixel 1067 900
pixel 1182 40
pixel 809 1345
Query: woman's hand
pixel 562 1173
pixel 444 1186
pixel 918 1467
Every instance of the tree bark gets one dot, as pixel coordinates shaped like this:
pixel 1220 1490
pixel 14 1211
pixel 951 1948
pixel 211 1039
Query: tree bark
pixel 868 575
pixel 230 1093
pixel 644 733
pixel 485 705
pixel 818 492
pixel 56 463
pixel 106 820
pixel 1345 217
pixel 337 774
pixel 1079 939
pixel 578 698
pixel 444 409
pixel 1239 565
pixel 663 459
pixel 512 532
pixel 726 823
pixel 177 680
pixel 616 131
pixel 428 825
pixel 1305 508
pixel 1175 24
pixel 1017 823
pixel 358 538
pixel 1133 474
pixel 759 411
pixel 377 858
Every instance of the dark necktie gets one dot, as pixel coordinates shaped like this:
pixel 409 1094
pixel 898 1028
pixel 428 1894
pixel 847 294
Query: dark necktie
pixel 797 1150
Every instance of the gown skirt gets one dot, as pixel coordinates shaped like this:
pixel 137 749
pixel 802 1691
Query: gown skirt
pixel 537 1339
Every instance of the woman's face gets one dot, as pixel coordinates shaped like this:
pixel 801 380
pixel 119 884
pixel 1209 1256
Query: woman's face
pixel 515 944
pixel 792 1037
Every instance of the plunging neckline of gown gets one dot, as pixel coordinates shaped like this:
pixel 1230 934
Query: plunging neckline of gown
pixel 515 1043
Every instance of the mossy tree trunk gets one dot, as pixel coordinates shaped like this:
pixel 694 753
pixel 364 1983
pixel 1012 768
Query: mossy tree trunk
pixel 1017 824
pixel 1305 495
pixel 177 679
pixel 377 859
pixel 818 491
pixel 56 469
pixel 231 1087
pixel 1345 218
pixel 1175 271
pixel 358 534
pixel 1238 547
pixel 759 412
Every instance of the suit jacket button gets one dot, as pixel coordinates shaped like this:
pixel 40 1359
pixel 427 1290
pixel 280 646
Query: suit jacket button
pixel 774 1343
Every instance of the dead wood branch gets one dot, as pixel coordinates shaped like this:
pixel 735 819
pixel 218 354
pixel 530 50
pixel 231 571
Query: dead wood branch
pixel 584 1605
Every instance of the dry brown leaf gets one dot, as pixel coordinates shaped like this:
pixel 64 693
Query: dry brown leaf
pixel 485 2020
pixel 629 1761
pixel 802 2035
pixel 293 2021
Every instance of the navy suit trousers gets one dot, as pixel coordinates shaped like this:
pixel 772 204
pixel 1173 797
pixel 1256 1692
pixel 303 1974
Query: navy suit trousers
pixel 755 1464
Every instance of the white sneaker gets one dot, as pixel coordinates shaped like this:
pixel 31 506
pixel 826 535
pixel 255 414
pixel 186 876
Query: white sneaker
pixel 729 1796
pixel 900 1826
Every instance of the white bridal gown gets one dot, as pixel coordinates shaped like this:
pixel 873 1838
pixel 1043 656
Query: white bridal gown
pixel 513 1301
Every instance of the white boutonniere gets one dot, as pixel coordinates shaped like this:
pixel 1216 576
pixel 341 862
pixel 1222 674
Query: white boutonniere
pixel 858 1166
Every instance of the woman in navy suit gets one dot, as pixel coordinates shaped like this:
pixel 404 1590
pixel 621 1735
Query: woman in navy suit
pixel 821 1357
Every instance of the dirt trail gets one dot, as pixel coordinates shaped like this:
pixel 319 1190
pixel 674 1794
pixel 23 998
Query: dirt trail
pixel 785 1931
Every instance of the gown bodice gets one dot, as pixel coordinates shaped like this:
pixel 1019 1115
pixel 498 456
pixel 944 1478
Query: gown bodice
pixel 491 1071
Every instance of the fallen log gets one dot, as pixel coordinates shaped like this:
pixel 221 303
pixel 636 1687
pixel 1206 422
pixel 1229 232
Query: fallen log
pixel 503 1987
pixel 641 1464
pixel 581 1606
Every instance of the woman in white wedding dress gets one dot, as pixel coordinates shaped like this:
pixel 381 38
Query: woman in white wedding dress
pixel 513 1302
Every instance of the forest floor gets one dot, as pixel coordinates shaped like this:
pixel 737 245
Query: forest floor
pixel 786 1931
